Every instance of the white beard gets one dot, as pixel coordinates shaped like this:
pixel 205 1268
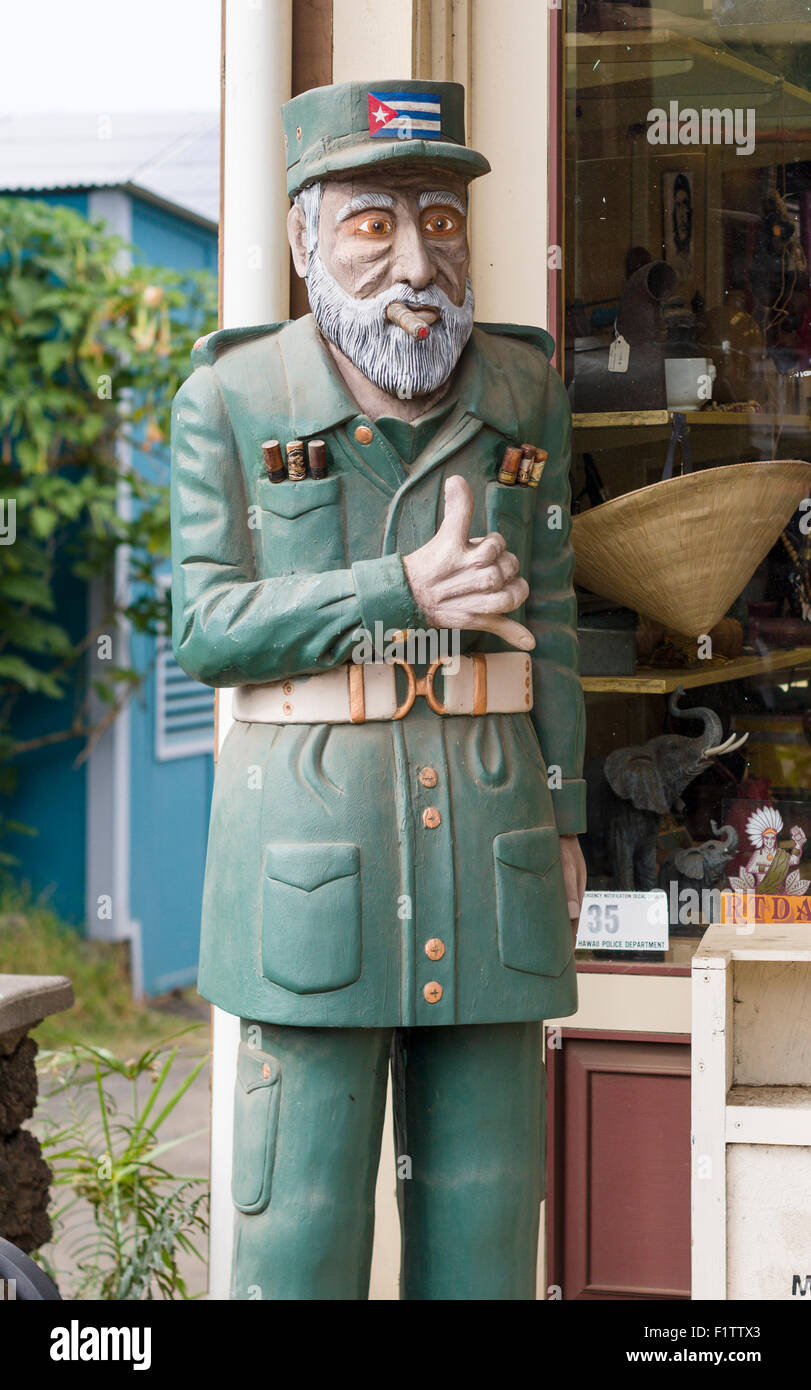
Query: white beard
pixel 396 363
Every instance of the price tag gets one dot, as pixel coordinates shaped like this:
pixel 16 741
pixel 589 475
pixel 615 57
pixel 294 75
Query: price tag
pixel 619 354
pixel 624 921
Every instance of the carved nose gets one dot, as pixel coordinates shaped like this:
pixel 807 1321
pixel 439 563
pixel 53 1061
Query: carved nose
pixel 412 263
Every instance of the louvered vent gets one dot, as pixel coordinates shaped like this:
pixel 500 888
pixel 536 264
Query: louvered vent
pixel 184 709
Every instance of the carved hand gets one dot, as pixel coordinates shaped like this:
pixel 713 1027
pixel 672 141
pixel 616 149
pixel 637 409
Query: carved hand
pixel 574 874
pixel 461 581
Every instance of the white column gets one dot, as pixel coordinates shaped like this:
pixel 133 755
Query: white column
pixel 256 289
pixel 508 122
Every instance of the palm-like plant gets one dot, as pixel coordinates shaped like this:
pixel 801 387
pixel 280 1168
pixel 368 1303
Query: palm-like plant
pixel 141 1216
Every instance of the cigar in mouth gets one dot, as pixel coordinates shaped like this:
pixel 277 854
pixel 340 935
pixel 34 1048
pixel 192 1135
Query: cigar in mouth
pixel 410 321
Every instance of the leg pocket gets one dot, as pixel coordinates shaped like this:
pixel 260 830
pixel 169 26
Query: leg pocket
pixel 256 1120
pixel 311 917
pixel 534 932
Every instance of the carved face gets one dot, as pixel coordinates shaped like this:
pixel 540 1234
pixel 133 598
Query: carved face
pixel 384 237
pixel 408 228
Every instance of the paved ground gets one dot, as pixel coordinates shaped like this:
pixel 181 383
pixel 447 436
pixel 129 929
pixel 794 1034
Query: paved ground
pixel 190 1158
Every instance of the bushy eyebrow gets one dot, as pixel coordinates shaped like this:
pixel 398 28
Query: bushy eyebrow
pixel 444 199
pixel 363 201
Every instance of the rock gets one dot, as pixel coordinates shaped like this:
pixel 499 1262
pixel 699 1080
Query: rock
pixel 18 1086
pixel 24 1182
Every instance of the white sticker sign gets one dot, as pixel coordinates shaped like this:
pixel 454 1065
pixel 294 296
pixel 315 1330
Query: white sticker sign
pixel 614 921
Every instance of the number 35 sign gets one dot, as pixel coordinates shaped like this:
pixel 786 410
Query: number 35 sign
pixel 623 922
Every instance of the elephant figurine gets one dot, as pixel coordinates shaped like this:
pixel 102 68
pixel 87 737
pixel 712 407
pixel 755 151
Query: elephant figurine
pixel 646 781
pixel 700 866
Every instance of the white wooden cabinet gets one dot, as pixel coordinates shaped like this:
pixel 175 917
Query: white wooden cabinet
pixel 751 1113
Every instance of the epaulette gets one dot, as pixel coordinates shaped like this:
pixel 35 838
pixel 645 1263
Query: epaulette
pixel 526 332
pixel 208 349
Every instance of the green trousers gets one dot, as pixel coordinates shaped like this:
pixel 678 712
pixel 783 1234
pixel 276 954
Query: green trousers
pixel 469 1137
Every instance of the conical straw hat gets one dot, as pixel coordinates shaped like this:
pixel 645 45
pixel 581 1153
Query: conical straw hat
pixel 681 551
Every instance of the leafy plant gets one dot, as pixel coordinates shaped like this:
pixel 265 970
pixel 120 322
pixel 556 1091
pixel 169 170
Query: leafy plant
pixel 35 941
pixel 126 1218
pixel 92 350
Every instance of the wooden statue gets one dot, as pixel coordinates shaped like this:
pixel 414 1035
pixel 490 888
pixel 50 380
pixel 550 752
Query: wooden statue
pixel 393 859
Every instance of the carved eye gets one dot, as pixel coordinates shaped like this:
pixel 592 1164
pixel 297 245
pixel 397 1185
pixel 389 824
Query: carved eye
pixel 441 222
pixel 376 225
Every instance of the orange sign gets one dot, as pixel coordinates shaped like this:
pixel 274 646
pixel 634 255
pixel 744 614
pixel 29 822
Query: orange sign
pixel 764 907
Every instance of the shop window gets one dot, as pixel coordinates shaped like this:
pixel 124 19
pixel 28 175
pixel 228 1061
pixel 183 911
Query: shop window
pixel 686 325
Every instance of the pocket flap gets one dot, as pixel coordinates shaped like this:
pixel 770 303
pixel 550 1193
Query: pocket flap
pixel 534 851
pixel 294 499
pixel 309 866
pixel 255 1068
pixel 504 499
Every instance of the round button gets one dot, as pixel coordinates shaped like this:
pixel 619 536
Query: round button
pixel 433 992
pixel 363 434
pixel 265 1071
pixel 431 818
pixel 428 777
pixel 435 949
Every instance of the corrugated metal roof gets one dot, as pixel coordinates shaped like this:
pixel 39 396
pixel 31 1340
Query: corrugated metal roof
pixel 172 155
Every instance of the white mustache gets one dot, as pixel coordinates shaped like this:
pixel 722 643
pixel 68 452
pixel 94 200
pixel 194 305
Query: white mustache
pixel 375 306
pixel 396 363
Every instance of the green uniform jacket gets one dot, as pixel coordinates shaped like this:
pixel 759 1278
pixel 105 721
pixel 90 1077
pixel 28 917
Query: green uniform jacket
pixel 323 884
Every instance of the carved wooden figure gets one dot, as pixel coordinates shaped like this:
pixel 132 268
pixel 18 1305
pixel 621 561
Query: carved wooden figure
pixel 393 860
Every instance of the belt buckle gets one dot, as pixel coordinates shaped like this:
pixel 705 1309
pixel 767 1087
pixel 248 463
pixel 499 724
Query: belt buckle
pixel 418 685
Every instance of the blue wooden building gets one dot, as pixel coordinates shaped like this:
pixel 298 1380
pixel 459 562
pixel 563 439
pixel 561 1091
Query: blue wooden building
pixel 120 844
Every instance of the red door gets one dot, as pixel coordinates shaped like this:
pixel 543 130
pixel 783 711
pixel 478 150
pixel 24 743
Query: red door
pixel 618 1209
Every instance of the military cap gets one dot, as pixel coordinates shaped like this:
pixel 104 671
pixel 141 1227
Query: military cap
pixel 353 125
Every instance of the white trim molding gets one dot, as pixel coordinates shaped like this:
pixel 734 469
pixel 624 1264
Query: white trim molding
pixel 257 65
pixel 107 815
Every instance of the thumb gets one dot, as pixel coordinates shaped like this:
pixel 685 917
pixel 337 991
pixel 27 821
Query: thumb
pixel 459 505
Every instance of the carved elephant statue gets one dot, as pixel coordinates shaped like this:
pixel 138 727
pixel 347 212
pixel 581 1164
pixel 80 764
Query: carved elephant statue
pixel 700 866
pixel 646 781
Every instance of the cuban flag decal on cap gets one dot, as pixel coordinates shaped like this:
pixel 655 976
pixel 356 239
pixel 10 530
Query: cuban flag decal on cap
pixel 405 115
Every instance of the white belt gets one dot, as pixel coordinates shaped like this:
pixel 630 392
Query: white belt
pixel 486 683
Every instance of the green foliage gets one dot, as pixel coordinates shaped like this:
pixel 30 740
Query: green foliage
pixel 33 941
pixel 91 354
pixel 125 1218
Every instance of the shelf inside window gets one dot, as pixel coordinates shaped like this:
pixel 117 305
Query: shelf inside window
pixel 652 680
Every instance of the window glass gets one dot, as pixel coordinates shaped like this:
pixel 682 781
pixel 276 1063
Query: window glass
pixel 687 357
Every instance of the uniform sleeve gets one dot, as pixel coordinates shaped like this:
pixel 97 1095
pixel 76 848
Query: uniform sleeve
pixel 231 626
pixel 551 614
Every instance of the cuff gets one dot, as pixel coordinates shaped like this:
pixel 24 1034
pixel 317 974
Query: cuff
pixel 384 595
pixel 569 802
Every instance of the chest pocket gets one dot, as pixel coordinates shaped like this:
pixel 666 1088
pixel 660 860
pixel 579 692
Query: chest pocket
pixel 510 510
pixel 302 526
